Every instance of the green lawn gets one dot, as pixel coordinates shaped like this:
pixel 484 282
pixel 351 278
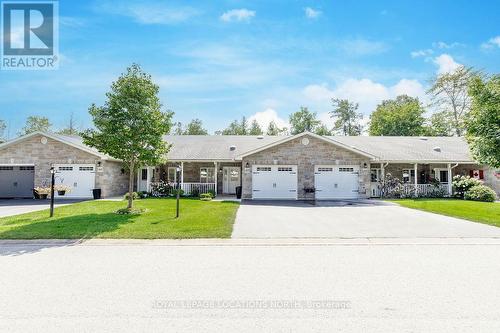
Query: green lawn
pixel 484 212
pixel 96 219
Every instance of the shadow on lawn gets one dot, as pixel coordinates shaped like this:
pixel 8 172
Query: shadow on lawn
pixel 57 232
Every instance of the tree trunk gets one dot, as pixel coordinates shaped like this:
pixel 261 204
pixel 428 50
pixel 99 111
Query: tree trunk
pixel 131 186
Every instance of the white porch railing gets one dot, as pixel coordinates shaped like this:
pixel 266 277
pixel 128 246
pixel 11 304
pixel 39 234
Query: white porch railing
pixel 424 189
pixel 202 187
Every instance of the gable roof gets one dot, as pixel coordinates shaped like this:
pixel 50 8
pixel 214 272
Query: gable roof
pixel 74 141
pixel 411 148
pixel 219 147
pixel 214 147
pixel 319 137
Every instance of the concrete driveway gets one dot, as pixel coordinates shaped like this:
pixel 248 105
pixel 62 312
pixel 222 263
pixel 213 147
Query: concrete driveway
pixel 348 219
pixel 20 206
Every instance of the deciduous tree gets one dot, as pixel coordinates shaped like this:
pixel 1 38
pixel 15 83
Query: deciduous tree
pixel 401 116
pixel 273 129
pixel 347 120
pixel 302 121
pixel 449 91
pixel 130 125
pixel 255 128
pixel 483 121
pixel 36 124
pixel 195 127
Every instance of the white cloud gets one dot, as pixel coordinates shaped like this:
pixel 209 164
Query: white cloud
pixel 493 42
pixel 360 47
pixel 148 12
pixel 263 118
pixel 312 13
pixel 237 15
pixel 443 45
pixel 445 63
pixel 421 53
pixel 364 91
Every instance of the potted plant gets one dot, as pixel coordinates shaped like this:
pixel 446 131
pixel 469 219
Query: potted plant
pixel 62 189
pixel 42 192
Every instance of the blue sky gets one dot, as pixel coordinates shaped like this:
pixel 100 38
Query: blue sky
pixel 221 60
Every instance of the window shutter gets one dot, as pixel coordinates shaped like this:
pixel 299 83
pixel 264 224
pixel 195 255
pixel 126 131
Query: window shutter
pixel 481 174
pixel 471 173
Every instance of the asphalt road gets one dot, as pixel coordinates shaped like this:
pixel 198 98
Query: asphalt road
pixel 377 285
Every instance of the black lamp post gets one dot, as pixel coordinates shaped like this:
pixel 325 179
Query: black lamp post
pixel 52 182
pixel 178 176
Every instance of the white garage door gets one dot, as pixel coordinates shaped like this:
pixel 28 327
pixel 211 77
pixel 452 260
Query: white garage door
pixel 79 177
pixel 336 181
pixel 274 182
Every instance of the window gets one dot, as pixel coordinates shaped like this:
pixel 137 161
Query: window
pixel 207 175
pixel 6 168
pixel 284 169
pixel 89 168
pixel 325 169
pixel 441 175
pixel 172 175
pixel 144 174
pixel 408 176
pixel 263 168
pixel 27 168
pixel 67 168
pixel 375 175
pixel 346 169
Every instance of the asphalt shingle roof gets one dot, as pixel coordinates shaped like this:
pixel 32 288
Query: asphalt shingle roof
pixel 214 147
pixel 385 148
pixel 410 148
pixel 413 149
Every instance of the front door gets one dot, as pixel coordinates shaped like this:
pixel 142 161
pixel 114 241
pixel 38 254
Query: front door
pixel 231 179
pixel 143 180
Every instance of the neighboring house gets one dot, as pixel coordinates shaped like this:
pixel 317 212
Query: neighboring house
pixel 304 166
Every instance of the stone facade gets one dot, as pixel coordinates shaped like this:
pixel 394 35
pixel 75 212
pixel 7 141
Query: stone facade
pixel 31 151
pixel 317 152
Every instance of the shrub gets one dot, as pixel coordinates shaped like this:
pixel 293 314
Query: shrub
pixel 127 211
pixel 174 191
pixel 195 192
pixel 392 187
pixel 143 194
pixel 461 184
pixel 206 196
pixel 212 192
pixel 135 196
pixel 480 193
pixel 161 189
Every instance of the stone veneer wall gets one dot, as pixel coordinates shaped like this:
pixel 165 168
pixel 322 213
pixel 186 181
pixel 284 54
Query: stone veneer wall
pixel 317 152
pixel 32 151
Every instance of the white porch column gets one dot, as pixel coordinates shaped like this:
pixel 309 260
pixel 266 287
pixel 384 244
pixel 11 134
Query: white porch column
pixel 450 188
pixel 182 175
pixel 415 167
pixel 216 174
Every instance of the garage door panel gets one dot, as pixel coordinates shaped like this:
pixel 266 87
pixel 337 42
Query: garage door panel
pixel 336 182
pixel 17 181
pixel 79 177
pixel 274 182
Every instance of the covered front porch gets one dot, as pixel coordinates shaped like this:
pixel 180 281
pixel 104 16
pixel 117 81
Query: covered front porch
pixel 420 179
pixel 193 177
